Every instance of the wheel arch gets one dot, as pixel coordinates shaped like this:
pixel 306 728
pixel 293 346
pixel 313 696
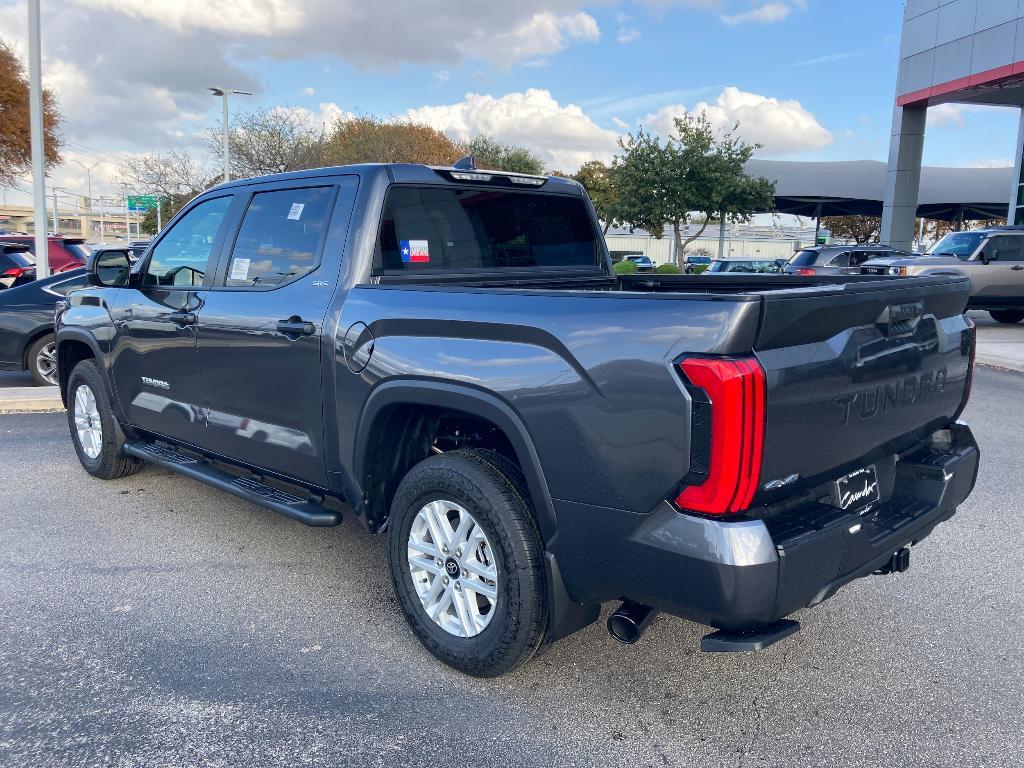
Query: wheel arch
pixel 32 339
pixel 459 399
pixel 73 346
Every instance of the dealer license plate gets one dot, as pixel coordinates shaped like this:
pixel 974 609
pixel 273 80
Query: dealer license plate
pixel 857 489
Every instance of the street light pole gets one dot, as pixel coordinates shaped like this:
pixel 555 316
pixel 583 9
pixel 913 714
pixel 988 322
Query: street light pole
pixel 88 176
pixel 223 92
pixel 35 100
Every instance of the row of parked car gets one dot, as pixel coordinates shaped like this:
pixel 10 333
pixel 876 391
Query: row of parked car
pixel 993 258
pixel 27 304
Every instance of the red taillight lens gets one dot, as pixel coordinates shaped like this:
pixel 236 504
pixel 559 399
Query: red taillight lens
pixel 804 271
pixel 736 389
pixel 17 271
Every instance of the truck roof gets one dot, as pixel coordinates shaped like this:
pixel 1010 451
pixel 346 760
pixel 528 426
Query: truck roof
pixel 424 174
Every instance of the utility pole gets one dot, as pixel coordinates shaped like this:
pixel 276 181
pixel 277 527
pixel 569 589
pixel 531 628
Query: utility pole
pixel 223 92
pixel 159 203
pixel 35 101
pixel 127 219
pixel 103 237
pixel 56 223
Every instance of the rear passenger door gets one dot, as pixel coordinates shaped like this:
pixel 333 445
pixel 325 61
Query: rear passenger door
pixel 1002 279
pixel 260 331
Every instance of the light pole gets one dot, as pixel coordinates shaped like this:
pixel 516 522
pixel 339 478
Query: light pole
pixel 223 92
pixel 35 101
pixel 88 176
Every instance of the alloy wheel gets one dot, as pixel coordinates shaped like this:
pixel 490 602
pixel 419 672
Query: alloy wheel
pixel 453 568
pixel 87 421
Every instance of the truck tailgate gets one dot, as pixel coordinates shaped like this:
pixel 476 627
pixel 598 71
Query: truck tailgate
pixel 857 372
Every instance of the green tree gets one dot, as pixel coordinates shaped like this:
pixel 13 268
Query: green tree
pixel 493 155
pixel 596 178
pixel 694 176
pixel 15 134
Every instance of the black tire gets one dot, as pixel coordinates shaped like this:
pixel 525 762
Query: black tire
pixel 1008 316
pixel 111 462
pixel 39 376
pixel 491 489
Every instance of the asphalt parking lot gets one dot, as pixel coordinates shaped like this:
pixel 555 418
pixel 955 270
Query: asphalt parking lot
pixel 155 622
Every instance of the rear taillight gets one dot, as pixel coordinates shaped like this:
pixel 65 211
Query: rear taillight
pixel 804 271
pixel 17 271
pixel 735 389
pixel 969 339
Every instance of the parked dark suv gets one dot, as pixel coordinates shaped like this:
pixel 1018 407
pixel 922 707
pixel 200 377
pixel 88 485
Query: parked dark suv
pixel 839 259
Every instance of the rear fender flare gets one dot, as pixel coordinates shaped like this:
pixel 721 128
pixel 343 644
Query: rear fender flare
pixel 471 401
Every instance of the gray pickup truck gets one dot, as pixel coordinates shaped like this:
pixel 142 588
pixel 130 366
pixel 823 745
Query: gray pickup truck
pixel 445 355
pixel 992 258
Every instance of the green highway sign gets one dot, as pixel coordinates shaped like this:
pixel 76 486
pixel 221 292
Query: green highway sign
pixel 141 202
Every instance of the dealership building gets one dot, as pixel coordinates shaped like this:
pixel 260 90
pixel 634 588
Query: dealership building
pixel 951 51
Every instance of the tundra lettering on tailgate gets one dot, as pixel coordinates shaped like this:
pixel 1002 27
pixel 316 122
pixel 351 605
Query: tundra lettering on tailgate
pixel 873 401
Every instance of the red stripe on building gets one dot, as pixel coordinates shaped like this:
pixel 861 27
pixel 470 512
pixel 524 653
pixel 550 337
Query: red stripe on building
pixel 988 77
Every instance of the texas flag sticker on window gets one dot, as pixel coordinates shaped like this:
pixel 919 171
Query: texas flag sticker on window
pixel 415 251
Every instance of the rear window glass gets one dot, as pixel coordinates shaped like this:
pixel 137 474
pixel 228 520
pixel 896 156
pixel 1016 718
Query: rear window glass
pixel 804 258
pixel 19 258
pixel 78 250
pixel 64 287
pixel 426 229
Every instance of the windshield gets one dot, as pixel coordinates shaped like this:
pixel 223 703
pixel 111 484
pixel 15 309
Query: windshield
pixel 432 229
pixel 79 250
pixel 803 258
pixel 959 244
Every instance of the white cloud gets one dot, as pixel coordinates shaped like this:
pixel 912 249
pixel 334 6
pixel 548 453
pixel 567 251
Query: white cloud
pixel 308 91
pixel 955 115
pixel 766 13
pixel 248 17
pixel 782 126
pixel 442 76
pixel 627 35
pixel 562 135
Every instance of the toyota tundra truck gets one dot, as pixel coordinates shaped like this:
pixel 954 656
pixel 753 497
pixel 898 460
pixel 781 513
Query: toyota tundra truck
pixel 445 356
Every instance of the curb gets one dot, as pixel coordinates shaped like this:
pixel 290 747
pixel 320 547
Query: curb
pixel 30 400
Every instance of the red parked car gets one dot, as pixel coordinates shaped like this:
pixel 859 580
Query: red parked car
pixel 65 252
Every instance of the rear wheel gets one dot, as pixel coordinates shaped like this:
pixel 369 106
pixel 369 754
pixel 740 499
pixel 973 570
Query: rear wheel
pixel 98 440
pixel 1008 316
pixel 467 562
pixel 42 360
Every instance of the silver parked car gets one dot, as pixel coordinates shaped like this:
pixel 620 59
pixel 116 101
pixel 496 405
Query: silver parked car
pixel 993 258
pixel 838 259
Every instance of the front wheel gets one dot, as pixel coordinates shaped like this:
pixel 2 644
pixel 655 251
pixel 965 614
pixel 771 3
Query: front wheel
pixel 94 431
pixel 467 562
pixel 1008 316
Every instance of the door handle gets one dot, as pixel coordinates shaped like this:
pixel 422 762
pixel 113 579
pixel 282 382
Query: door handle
pixel 183 318
pixel 295 326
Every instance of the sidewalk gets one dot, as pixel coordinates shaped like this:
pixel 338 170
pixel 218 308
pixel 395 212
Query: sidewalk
pixel 1000 346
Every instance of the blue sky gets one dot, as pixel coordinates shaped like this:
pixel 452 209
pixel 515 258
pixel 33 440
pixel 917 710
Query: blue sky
pixel 810 79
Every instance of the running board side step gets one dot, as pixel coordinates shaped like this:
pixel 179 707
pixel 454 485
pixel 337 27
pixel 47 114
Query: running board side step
pixel 737 642
pixel 250 489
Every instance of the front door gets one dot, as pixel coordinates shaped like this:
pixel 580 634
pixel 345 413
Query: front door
pixel 154 365
pixel 1001 280
pixel 261 324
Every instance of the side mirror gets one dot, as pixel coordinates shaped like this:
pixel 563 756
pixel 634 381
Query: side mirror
pixel 108 268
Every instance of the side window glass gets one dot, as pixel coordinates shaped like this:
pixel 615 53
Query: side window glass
pixel 1009 248
pixel 840 260
pixel 280 237
pixel 860 257
pixel 181 257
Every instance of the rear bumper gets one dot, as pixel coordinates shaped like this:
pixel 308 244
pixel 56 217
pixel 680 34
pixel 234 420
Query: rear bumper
pixel 746 575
